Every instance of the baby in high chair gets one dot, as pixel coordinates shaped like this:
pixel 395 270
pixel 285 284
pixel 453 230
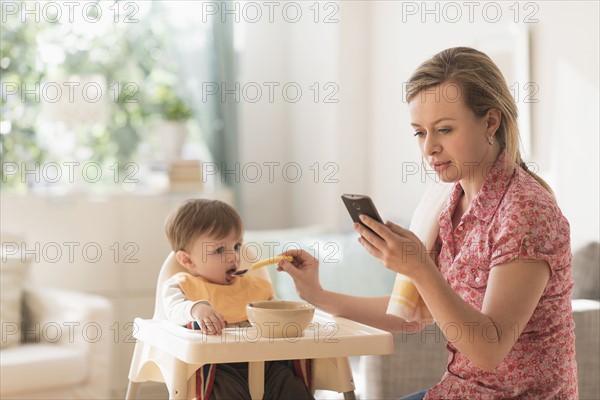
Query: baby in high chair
pixel 207 237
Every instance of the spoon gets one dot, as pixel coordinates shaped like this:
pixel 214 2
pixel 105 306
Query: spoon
pixel 263 263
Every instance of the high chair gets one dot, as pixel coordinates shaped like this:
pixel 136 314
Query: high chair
pixel 165 352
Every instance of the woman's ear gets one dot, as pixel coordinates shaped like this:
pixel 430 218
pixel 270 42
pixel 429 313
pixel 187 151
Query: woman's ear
pixel 184 259
pixel 493 119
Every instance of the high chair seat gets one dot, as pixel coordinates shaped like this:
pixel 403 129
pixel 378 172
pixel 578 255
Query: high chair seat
pixel 168 353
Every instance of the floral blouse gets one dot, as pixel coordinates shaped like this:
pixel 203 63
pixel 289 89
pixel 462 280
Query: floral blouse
pixel 512 217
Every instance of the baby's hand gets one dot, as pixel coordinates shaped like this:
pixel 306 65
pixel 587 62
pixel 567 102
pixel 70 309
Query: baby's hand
pixel 211 322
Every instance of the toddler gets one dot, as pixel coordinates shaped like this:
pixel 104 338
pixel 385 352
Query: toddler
pixel 207 236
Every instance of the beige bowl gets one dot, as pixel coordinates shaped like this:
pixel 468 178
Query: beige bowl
pixel 280 319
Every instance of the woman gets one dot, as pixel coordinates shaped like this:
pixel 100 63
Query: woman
pixel 502 265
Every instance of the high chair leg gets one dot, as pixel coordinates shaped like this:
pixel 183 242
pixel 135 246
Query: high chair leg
pixel 256 379
pixel 333 374
pixel 349 395
pixel 191 387
pixel 178 381
pixel 133 390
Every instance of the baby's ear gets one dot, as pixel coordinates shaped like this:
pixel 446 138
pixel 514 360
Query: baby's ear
pixel 184 259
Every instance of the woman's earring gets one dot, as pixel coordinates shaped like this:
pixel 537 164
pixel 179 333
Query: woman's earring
pixel 491 140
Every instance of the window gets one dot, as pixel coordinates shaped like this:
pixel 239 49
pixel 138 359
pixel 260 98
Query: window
pixel 91 91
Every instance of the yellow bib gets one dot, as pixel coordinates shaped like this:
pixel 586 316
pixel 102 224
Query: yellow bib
pixel 229 300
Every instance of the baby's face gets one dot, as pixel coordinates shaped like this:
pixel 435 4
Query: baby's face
pixel 216 259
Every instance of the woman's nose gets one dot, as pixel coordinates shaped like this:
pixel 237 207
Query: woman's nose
pixel 431 146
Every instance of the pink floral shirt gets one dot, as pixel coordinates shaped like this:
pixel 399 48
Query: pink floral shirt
pixel 512 217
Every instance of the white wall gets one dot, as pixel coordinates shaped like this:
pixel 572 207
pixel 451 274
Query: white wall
pixel 332 134
pixel 264 125
pixel 565 66
pixel 369 54
pixel 335 134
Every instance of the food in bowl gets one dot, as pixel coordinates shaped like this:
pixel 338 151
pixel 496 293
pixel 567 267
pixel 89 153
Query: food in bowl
pixel 279 318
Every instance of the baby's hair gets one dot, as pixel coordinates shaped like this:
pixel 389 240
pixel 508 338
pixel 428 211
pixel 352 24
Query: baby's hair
pixel 197 217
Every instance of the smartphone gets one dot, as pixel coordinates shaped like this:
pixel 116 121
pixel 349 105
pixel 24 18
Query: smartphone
pixel 357 205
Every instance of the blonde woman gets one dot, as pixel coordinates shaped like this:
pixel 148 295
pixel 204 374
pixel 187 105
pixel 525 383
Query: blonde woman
pixel 502 264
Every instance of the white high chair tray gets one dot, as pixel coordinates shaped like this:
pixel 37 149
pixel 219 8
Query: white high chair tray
pixel 326 337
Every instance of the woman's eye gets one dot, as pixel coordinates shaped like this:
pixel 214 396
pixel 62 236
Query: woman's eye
pixel 237 246
pixel 418 133
pixel 444 130
pixel 220 250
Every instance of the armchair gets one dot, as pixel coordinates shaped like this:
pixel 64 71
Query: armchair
pixel 66 349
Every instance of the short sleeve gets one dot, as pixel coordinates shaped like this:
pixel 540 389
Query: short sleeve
pixel 531 231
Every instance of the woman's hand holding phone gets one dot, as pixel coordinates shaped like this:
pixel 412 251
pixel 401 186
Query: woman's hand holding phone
pixel 397 248
pixel 358 205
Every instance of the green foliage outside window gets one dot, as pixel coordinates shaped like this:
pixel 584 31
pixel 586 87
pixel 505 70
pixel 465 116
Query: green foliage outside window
pixel 134 59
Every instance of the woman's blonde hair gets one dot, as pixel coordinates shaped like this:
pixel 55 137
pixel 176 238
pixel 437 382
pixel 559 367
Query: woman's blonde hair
pixel 197 217
pixel 482 86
